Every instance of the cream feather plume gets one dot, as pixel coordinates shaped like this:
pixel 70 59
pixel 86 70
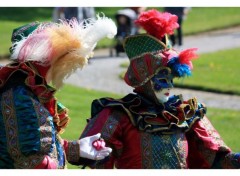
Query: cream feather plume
pixel 48 38
pixel 66 46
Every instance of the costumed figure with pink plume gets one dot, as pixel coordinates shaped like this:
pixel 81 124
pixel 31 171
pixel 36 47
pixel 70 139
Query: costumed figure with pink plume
pixel 150 128
pixel 31 118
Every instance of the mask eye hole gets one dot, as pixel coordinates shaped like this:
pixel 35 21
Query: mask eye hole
pixel 162 81
pixel 157 87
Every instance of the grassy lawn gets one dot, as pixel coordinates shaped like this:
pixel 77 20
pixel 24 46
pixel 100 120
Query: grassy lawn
pixel 78 100
pixel 200 19
pixel 216 71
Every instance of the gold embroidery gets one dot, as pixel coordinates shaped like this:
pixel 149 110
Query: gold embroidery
pixel 73 152
pixel 20 161
pixel 11 127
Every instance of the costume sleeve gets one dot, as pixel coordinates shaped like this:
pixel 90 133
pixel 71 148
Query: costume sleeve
pixel 107 122
pixel 207 149
pixel 28 140
pixel 72 150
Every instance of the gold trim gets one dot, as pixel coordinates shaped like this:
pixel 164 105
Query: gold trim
pixel 151 76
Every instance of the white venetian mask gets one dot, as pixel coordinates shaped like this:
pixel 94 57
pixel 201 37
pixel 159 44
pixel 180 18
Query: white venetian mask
pixel 163 95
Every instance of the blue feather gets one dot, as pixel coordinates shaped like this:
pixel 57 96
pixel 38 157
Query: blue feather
pixel 179 70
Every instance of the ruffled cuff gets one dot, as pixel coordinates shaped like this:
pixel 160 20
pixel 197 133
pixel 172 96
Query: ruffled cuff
pixel 72 150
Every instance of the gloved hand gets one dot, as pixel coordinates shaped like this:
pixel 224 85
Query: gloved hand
pixel 87 150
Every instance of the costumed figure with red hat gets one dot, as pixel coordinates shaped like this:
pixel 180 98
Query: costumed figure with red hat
pixel 31 118
pixel 149 129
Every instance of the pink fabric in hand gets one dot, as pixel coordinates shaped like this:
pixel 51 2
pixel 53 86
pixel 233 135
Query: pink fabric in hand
pixel 99 144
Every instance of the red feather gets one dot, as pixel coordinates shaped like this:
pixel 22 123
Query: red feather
pixel 157 24
pixel 187 55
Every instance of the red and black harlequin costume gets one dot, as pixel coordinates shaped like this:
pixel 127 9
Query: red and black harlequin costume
pixel 147 134
pixel 31 118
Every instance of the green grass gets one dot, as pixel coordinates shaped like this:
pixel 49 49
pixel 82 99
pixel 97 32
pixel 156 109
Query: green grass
pixel 199 19
pixel 78 100
pixel 226 123
pixel 213 72
pixel 218 71
pixel 202 19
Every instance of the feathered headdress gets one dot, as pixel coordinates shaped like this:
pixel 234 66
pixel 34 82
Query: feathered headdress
pixel 160 25
pixel 64 47
pixel 152 51
pixel 180 64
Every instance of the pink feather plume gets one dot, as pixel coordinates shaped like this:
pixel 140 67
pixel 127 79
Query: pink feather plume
pixel 187 55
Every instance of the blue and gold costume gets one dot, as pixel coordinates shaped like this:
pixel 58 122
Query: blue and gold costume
pixel 31 120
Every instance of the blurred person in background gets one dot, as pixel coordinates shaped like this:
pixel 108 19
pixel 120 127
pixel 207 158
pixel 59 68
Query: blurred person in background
pixel 80 13
pixel 86 13
pixel 125 25
pixel 181 12
pixel 57 14
pixel 138 11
